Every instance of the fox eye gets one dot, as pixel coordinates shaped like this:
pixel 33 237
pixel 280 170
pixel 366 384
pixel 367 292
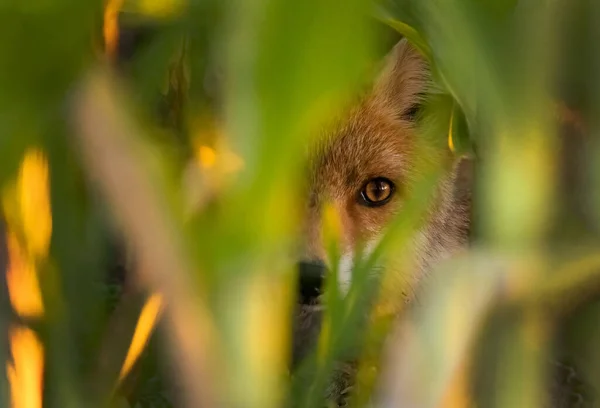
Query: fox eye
pixel 377 192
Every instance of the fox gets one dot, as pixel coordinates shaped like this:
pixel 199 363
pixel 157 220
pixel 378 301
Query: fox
pixel 366 166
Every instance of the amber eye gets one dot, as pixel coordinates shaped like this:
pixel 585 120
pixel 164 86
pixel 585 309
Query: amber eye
pixel 377 191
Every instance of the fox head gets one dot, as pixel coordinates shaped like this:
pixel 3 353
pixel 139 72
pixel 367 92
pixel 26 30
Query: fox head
pixel 366 167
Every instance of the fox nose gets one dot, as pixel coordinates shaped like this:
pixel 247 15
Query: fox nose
pixel 311 275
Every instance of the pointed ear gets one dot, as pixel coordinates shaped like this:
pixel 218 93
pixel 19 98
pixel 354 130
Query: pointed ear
pixel 404 80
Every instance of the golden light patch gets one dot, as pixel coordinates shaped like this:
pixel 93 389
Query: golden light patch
pixel 221 158
pixel 26 370
pixel 34 199
pixel 26 205
pixel 22 281
pixel 145 325
pixel 212 148
pixel 110 28
pixel 213 166
pixel 207 157
pixel 451 132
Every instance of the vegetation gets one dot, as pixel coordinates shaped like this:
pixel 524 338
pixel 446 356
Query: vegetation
pixel 91 155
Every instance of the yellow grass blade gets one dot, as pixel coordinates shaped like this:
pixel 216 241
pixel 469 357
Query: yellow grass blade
pixel 111 27
pixel 25 372
pixel 34 198
pixel 22 281
pixel 143 330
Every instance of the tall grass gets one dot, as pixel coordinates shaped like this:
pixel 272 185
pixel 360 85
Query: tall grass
pixel 202 179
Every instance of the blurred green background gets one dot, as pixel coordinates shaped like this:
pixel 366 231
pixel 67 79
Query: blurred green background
pixel 124 100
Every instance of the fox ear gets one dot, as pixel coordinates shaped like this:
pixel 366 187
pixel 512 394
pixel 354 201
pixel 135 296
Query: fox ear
pixel 404 80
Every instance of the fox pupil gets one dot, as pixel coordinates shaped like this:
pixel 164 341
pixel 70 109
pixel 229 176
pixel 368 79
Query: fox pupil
pixel 377 191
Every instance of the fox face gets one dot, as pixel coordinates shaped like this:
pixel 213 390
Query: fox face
pixel 365 167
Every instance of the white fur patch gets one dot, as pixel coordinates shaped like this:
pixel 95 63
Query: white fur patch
pixel 345 271
pixel 346 265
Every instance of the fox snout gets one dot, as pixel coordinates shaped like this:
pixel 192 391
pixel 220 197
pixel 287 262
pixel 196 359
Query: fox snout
pixel 311 275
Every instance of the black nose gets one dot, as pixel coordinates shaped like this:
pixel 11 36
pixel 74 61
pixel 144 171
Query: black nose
pixel 311 275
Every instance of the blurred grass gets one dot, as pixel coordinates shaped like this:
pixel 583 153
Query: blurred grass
pixel 119 144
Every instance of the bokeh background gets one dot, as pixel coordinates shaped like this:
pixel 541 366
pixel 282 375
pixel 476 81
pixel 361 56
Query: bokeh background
pixel 150 167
